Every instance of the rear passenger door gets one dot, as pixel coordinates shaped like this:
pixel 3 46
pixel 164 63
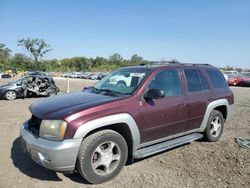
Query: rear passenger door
pixel 198 96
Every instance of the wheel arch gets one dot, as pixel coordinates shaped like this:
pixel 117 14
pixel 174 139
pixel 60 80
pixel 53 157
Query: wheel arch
pixel 122 123
pixel 124 131
pixel 221 105
pixel 223 110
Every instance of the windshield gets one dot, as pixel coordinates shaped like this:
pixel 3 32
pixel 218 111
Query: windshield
pixel 123 81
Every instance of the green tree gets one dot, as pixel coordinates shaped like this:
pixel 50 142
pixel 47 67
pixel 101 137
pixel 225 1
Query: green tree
pixel 4 52
pixel 98 61
pixel 116 58
pixel 21 61
pixel 37 47
pixel 136 60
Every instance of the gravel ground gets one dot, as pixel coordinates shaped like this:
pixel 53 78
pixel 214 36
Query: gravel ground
pixel 199 164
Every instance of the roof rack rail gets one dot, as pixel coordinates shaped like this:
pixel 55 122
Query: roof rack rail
pixel 164 62
pixel 203 64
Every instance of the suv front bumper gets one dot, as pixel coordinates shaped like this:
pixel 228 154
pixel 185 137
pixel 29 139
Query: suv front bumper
pixel 55 155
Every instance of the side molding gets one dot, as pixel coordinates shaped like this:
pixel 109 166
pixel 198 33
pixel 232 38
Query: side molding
pixel 211 106
pixel 85 128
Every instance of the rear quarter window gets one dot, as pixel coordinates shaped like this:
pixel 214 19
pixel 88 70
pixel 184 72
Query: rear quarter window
pixel 217 78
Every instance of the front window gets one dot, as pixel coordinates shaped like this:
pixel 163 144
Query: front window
pixel 123 81
pixel 168 81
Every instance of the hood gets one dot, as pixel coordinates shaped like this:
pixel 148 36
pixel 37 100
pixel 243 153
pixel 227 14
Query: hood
pixel 7 85
pixel 58 107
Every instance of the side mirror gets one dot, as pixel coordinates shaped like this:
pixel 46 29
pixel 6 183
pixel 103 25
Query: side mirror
pixel 154 94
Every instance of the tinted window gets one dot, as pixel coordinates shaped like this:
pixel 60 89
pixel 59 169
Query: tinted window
pixel 204 83
pixel 193 80
pixel 217 78
pixel 168 81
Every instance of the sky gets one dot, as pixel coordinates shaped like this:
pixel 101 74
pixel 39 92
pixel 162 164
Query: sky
pixel 216 32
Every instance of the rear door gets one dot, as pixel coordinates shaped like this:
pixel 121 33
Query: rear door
pixel 198 95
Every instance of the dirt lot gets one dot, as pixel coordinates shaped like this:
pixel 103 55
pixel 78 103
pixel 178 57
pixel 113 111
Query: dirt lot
pixel 199 164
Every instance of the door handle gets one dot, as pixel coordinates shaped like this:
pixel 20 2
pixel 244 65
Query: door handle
pixel 180 104
pixel 210 99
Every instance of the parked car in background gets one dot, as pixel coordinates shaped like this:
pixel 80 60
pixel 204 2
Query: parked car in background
pixel 36 73
pixel 230 74
pixel 98 131
pixel 239 80
pixel 32 85
pixel 94 76
pixel 102 75
pixel 5 76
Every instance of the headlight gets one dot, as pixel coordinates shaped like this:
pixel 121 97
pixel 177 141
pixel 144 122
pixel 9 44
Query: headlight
pixel 53 129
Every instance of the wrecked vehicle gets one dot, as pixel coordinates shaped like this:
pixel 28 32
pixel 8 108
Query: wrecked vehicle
pixel 29 86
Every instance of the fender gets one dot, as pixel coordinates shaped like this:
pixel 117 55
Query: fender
pixel 213 105
pixel 89 126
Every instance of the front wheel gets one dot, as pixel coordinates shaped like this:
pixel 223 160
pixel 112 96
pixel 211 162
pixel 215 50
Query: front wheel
pixel 10 95
pixel 101 156
pixel 214 127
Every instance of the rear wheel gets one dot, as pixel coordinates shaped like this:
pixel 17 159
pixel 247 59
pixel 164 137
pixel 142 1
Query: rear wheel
pixel 101 156
pixel 214 127
pixel 10 95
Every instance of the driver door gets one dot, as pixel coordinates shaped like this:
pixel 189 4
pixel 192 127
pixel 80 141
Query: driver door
pixel 166 116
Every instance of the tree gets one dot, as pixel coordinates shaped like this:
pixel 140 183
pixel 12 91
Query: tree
pixel 37 47
pixel 229 68
pixel 21 61
pixel 116 58
pixel 4 52
pixel 136 60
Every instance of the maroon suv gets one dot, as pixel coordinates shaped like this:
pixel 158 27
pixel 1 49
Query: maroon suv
pixel 131 113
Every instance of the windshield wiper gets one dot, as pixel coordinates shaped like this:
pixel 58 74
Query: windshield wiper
pixel 108 91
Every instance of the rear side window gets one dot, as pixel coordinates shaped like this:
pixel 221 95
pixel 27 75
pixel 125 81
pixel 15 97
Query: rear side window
pixel 204 83
pixel 217 78
pixel 195 80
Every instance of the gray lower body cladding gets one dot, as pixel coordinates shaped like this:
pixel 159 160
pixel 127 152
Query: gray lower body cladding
pixel 58 156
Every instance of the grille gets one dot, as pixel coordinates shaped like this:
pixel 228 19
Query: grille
pixel 34 125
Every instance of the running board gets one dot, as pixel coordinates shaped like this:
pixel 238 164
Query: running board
pixel 151 150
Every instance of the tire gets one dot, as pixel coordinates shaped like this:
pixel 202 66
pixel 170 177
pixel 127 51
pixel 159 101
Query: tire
pixel 10 95
pixel 214 127
pixel 94 162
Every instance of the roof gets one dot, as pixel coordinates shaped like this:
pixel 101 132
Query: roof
pixel 155 65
